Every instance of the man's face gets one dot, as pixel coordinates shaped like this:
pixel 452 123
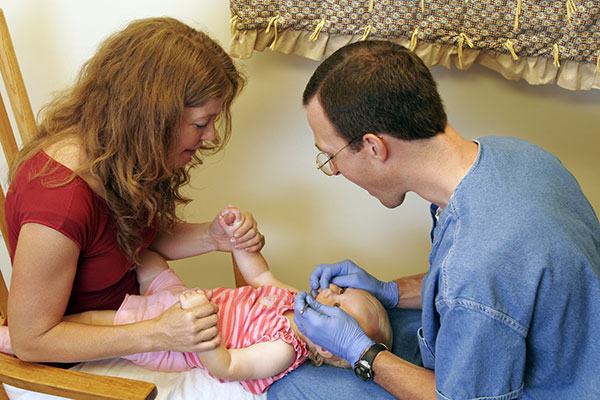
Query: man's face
pixel 361 168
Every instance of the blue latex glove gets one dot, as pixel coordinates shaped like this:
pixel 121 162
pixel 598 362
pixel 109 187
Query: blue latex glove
pixel 331 328
pixel 347 274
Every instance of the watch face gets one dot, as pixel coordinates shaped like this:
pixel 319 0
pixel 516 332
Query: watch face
pixel 363 370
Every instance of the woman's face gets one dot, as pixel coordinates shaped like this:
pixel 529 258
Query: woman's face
pixel 198 126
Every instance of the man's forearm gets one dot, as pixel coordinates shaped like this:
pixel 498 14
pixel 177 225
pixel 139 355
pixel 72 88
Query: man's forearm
pixel 409 291
pixel 403 379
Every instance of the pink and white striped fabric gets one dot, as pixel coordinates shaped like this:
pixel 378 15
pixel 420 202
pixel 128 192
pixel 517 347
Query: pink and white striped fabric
pixel 246 316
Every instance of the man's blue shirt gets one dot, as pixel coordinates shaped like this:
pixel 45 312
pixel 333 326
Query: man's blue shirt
pixel 511 302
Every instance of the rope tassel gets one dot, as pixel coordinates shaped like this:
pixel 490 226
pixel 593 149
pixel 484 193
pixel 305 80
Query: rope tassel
pixel 367 32
pixel 317 32
pixel 413 39
pixel 571 8
pixel 511 47
pixel 556 55
pixel 232 24
pixel 461 40
pixel 273 23
pixel 517 13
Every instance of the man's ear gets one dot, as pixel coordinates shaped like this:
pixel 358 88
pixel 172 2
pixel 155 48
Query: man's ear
pixel 324 353
pixel 376 146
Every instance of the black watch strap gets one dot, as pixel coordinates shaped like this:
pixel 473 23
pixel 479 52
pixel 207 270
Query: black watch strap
pixel 363 368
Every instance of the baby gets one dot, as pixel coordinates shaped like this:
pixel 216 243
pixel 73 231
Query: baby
pixel 256 322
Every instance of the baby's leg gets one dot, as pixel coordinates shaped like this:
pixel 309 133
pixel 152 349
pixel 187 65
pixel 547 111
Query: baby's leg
pixel 193 298
pixel 150 266
pixel 5 346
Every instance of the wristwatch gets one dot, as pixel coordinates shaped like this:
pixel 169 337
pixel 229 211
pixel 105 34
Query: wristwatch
pixel 363 368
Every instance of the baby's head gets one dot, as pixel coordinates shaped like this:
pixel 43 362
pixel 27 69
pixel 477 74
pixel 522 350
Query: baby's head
pixel 365 308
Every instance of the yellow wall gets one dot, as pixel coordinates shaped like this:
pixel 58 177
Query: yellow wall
pixel 268 166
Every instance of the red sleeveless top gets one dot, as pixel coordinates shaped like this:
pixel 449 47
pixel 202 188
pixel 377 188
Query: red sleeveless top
pixel 104 274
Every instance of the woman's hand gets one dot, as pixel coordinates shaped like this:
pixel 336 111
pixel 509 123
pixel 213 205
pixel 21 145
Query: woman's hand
pixel 188 330
pixel 246 237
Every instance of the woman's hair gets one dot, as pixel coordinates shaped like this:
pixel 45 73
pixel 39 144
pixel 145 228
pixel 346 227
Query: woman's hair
pixel 126 108
pixel 377 86
pixel 381 332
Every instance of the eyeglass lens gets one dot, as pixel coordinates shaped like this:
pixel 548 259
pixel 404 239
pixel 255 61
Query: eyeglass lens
pixel 324 163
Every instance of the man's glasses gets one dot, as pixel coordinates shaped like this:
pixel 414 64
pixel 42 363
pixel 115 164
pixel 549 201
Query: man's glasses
pixel 325 161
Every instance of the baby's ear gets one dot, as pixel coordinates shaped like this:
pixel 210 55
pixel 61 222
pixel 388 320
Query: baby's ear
pixel 324 353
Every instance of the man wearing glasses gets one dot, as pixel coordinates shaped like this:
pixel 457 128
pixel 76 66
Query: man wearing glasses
pixel 510 306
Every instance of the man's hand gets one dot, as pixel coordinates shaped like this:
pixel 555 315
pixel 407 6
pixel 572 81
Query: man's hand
pixel 348 274
pixel 331 328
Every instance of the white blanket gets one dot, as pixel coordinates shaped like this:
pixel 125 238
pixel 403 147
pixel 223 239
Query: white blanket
pixel 193 384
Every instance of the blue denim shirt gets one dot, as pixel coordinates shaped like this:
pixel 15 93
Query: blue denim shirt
pixel 511 302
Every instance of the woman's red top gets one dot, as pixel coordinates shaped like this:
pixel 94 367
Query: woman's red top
pixel 104 274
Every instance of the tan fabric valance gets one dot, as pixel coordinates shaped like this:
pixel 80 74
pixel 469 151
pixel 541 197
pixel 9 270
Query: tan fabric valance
pixel 539 41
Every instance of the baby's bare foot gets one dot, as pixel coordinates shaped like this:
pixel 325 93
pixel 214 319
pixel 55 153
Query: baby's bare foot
pixel 193 298
pixel 5 346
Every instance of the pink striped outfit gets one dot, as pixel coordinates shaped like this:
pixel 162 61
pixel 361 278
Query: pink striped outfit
pixel 246 316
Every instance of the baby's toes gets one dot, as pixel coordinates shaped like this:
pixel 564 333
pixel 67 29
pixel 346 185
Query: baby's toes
pixel 193 298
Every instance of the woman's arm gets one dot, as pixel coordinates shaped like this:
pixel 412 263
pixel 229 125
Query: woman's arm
pixel 44 268
pixel 188 239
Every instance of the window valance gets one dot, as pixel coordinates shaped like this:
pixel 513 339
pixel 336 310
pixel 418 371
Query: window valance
pixel 541 41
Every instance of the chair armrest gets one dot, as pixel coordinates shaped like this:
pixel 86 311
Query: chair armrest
pixel 71 384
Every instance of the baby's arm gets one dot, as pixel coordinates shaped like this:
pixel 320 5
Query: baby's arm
pixel 259 361
pixel 253 266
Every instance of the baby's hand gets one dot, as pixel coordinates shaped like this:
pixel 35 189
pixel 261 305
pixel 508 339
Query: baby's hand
pixel 230 219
